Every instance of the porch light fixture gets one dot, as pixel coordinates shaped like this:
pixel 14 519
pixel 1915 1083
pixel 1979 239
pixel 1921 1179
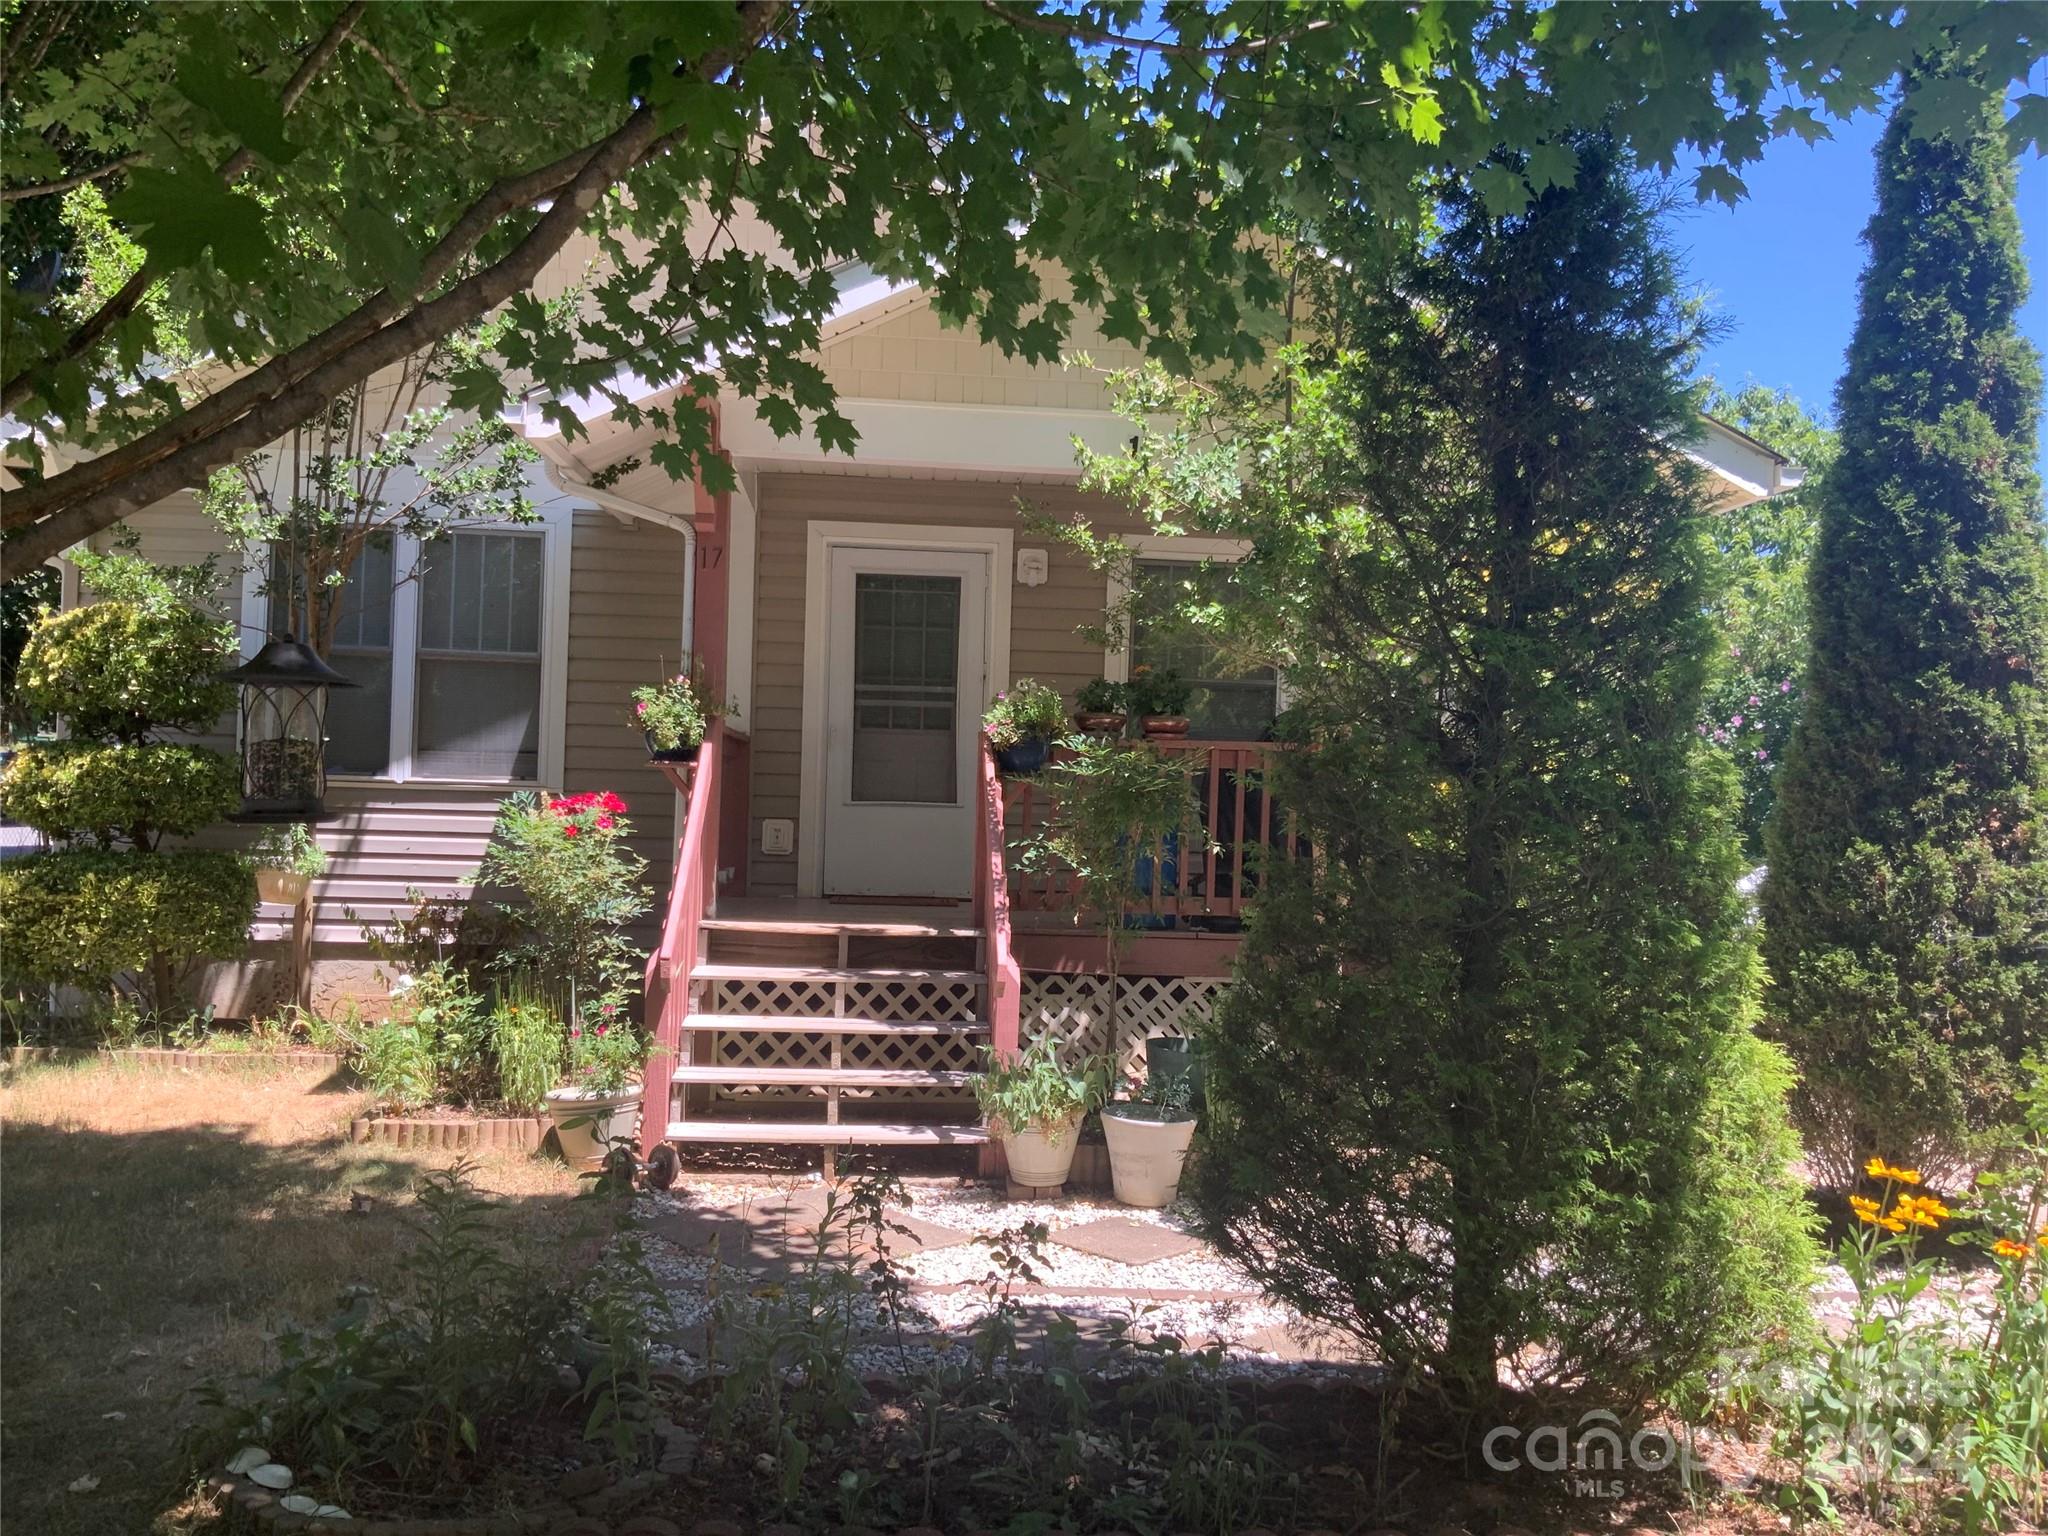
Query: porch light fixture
pixel 283 731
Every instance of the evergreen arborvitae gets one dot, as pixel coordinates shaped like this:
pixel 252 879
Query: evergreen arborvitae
pixel 1906 910
pixel 1485 1087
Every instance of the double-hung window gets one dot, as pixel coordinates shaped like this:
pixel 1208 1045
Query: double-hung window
pixel 1226 704
pixel 448 642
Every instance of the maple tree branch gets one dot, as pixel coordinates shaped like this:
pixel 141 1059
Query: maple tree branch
pixel 58 512
pixel 1058 26
pixel 122 304
pixel 69 183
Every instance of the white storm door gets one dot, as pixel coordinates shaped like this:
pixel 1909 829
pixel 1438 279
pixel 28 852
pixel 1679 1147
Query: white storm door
pixel 905 673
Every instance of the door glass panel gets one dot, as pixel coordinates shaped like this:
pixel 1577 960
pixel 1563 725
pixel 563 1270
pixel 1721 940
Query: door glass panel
pixel 906 688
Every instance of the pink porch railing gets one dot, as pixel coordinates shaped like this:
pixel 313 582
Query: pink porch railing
pixel 1209 868
pixel 992 912
pixel 717 780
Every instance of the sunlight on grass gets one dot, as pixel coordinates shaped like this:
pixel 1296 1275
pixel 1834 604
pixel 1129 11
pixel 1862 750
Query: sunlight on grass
pixel 160 1226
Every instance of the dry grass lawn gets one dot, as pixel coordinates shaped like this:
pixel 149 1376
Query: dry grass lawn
pixel 159 1227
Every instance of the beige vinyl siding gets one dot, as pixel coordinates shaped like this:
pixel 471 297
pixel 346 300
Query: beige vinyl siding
pixel 625 625
pixel 1043 620
pixel 908 353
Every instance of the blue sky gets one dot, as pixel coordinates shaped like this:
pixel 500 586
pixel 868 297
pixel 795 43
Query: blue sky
pixel 1782 265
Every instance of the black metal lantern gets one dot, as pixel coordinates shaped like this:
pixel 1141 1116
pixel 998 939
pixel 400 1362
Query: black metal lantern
pixel 284 731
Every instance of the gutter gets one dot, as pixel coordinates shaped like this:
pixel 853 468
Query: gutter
pixel 625 507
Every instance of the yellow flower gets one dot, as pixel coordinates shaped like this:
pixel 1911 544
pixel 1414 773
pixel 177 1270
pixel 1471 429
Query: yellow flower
pixel 1926 1205
pixel 1865 1208
pixel 1878 1168
pixel 1875 1168
pixel 1918 1217
pixel 2006 1248
pixel 2043 1238
pixel 1892 1224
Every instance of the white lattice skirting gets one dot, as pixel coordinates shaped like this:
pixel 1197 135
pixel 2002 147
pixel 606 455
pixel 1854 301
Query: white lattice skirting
pixel 1075 1010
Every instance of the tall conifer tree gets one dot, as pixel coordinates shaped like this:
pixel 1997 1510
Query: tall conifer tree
pixel 1906 910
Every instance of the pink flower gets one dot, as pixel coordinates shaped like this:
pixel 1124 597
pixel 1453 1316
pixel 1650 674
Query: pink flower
pixel 575 1032
pixel 1785 686
pixel 1762 755
pixel 640 707
pixel 609 1009
pixel 1735 721
pixel 1754 701
pixel 603 1029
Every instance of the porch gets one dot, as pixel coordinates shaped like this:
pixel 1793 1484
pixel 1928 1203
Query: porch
pixel 833 1022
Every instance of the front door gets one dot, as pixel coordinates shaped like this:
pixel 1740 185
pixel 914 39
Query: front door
pixel 905 674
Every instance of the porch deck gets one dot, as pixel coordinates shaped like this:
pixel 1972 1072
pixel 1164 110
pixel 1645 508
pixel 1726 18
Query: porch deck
pixel 843 1021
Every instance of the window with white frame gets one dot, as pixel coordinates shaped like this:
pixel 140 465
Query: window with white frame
pixel 1226 704
pixel 445 644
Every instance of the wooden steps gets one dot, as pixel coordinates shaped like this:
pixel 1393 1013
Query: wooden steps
pixel 851 927
pixel 744 971
pixel 825 1024
pixel 847 1133
pixel 826 1077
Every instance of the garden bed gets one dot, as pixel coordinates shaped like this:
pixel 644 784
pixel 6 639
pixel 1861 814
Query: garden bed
pixel 217 1059
pixel 452 1129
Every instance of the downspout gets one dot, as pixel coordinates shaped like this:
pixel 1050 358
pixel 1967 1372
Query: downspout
pixel 624 506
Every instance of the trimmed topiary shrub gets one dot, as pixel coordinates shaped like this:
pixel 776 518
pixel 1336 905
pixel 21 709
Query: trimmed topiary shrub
pixel 134 792
pixel 83 918
pixel 1906 911
pixel 111 908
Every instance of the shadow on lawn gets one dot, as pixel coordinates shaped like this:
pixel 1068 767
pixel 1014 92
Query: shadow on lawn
pixel 139 1264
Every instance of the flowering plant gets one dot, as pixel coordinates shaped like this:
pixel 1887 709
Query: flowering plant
pixel 1027 709
pixel 676 712
pixel 605 1050
pixel 1099 696
pixel 579 884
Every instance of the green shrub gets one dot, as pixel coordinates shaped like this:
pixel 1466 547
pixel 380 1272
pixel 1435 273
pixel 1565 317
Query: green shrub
pixel 396 1062
pixel 1908 889
pixel 84 918
pixel 454 1028
pixel 1035 1091
pixel 112 792
pixel 529 1043
pixel 121 670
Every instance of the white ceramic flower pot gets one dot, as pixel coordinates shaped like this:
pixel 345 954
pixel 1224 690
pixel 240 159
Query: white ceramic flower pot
pixel 586 1122
pixel 1042 1156
pixel 1146 1157
pixel 283 886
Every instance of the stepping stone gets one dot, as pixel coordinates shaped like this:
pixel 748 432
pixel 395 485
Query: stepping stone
pixel 1126 1241
pixel 1305 1342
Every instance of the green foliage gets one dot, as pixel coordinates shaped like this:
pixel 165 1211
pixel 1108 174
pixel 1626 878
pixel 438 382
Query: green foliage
pixel 85 918
pixel 1118 801
pixel 676 712
pixel 1026 710
pixel 23 599
pixel 412 1391
pixel 1154 692
pixel 1907 906
pixel 1035 1091
pixel 142 659
pixel 1760 609
pixel 137 791
pixel 605 1052
pixel 396 1063
pixel 338 229
pixel 1100 696
pixel 529 1043
pixel 579 884
pixel 1484 1086
pixel 290 847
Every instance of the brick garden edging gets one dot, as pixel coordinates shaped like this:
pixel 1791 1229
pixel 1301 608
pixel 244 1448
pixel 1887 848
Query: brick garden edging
pixel 152 1056
pixel 518 1132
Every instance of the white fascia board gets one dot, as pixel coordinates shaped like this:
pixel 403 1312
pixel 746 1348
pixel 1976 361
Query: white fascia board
pixel 991 439
pixel 1750 469
pixel 858 286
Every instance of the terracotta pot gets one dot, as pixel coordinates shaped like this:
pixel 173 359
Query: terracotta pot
pixel 1146 1155
pixel 283 886
pixel 586 1122
pixel 1095 722
pixel 1164 725
pixel 1043 1155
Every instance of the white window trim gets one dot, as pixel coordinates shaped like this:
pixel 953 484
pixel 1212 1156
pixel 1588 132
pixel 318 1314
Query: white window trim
pixel 999 544
pixel 555 525
pixel 1188 548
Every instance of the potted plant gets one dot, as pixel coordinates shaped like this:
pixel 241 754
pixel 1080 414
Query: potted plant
pixel 1148 1140
pixel 1020 725
pixel 674 714
pixel 1102 707
pixel 287 861
pixel 1171 1056
pixel 1160 701
pixel 598 1106
pixel 1034 1103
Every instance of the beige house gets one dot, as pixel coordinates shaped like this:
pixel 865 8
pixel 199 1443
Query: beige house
pixel 840 941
